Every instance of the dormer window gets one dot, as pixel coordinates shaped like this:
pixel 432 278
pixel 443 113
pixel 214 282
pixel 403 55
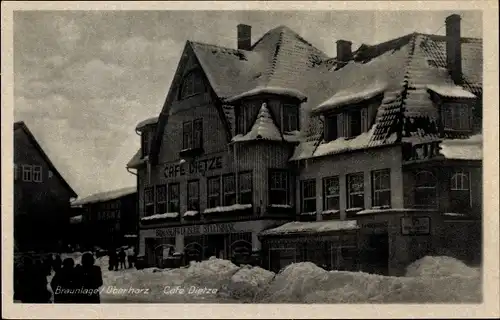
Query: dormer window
pixel 331 128
pixel 192 84
pixel 246 115
pixel 354 123
pixel 290 118
pixel 146 137
pixel 457 117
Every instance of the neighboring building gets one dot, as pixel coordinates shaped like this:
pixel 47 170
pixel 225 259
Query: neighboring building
pixel 108 219
pixel 377 150
pixel 41 196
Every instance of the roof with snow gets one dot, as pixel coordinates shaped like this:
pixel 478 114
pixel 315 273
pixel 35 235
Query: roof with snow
pixel 297 227
pixel 463 149
pixel 150 121
pixel 105 196
pixel 264 128
pixel 20 125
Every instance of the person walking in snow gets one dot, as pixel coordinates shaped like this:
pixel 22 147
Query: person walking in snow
pixel 121 258
pixel 113 259
pixel 88 278
pixel 64 282
pixel 130 257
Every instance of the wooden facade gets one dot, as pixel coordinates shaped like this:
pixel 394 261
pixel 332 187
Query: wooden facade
pixel 41 196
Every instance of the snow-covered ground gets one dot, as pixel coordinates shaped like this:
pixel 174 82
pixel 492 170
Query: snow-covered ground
pixel 430 279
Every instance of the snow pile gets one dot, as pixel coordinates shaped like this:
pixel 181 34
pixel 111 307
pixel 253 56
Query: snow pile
pixel 247 282
pixel 440 266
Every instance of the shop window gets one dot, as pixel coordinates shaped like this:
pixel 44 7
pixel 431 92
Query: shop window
pixel 381 188
pixel 290 116
pixel 173 197
pixel 425 189
pixel 460 193
pixel 355 128
pixel 161 199
pixel 37 173
pixel 27 173
pixel 308 196
pixel 245 186
pixel 278 187
pixel 457 116
pixel 355 191
pixel 192 84
pixel 149 203
pixel 229 185
pixel 331 193
pixel 214 192
pixel 192 134
pixel 193 195
pixel 146 136
pixel 331 128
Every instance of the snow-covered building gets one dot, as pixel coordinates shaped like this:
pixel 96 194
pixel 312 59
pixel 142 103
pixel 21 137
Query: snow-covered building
pixel 107 219
pixel 381 142
pixel 41 196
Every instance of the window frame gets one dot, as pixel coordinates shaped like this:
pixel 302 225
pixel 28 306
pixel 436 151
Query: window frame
pixel 27 173
pixel 273 189
pixel 230 193
pixel 452 116
pixel 245 191
pixel 329 133
pixel 285 117
pixel 423 187
pixel 376 192
pixel 170 200
pixel 37 173
pixel 145 142
pixel 303 199
pixel 350 133
pixel 197 140
pixel 159 202
pixel 455 188
pixel 217 195
pixel 149 204
pixel 190 197
pixel 197 85
pixel 350 193
pixel 326 196
pixel 187 135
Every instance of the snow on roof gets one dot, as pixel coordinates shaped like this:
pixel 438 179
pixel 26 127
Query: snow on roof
pixel 289 92
pixel 351 96
pixel 105 196
pixel 142 124
pixel 161 216
pixel 263 128
pixel 463 149
pixel 312 227
pixel 234 207
pixel 137 160
pixel 191 213
pixel 451 91
pixel 76 219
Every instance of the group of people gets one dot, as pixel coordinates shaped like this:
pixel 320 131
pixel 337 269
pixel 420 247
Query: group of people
pixel 70 284
pixel 117 259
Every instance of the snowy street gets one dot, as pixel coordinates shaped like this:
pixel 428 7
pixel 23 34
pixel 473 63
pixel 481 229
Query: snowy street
pixel 431 279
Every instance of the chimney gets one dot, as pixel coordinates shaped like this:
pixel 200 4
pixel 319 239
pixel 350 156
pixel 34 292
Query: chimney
pixel 244 37
pixel 454 48
pixel 344 52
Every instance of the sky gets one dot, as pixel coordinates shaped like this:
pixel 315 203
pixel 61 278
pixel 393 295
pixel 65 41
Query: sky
pixel 84 79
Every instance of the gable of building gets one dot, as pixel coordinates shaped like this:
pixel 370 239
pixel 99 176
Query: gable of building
pixel 21 127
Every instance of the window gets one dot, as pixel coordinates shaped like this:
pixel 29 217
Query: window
pixel 246 114
pixel 456 116
pixel 187 135
pixel 27 173
pixel 278 187
pixel 193 195
pixel 381 188
pixel 355 190
pixel 331 193
pixel 192 134
pixel 37 173
pixel 145 142
pixel 213 192
pixel 308 196
pixel 192 84
pixel 290 117
pixel 245 186
pixel 149 202
pixel 460 191
pixel 173 197
pixel 331 132
pixel 355 123
pixel 229 185
pixel 425 189
pixel 161 199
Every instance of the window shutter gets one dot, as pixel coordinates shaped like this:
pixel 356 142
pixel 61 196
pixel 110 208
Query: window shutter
pixel 340 125
pixel 364 119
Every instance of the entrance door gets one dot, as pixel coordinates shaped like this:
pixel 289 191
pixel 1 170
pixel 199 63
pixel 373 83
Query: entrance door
pixel 377 259
pixel 215 246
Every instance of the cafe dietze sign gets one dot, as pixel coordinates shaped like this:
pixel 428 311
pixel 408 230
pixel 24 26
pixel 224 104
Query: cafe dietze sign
pixel 195 167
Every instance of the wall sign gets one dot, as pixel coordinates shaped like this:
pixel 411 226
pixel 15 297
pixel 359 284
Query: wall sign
pixel 415 226
pixel 194 167
pixel 196 230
